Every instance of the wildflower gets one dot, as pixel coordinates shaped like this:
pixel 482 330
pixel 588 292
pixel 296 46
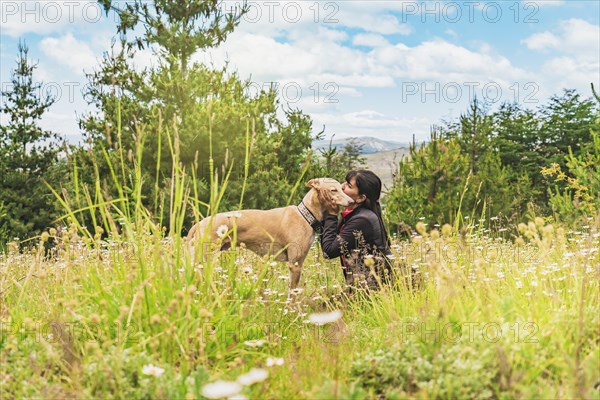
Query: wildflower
pixel 45 236
pixel 222 231
pixel 247 270
pixel 446 230
pixel 152 370
pixel 539 221
pixel 518 284
pixel 255 375
pixel 238 396
pixel 435 234
pixel 220 389
pixel 271 362
pixel 369 262
pixel 325 318
pixel 421 228
pixel 254 343
pixel 94 319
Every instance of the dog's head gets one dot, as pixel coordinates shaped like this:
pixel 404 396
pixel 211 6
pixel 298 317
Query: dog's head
pixel 330 193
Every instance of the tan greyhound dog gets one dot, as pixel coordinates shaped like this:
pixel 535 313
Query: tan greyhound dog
pixel 285 233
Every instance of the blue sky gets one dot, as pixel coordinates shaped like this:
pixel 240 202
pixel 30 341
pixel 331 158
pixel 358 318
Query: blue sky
pixel 388 69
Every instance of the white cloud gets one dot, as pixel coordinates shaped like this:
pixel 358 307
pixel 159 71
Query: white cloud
pixel 372 123
pixel 286 18
pixel 47 17
pixel 568 72
pixel 542 41
pixel 452 33
pixel 318 46
pixel 382 23
pixel 70 52
pixel 307 62
pixel 369 40
pixel 442 61
pixel 571 36
pixel 575 46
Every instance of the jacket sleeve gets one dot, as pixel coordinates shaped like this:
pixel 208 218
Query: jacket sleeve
pixel 334 243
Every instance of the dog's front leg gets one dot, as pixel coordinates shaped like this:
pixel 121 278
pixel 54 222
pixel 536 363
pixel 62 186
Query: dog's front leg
pixel 295 271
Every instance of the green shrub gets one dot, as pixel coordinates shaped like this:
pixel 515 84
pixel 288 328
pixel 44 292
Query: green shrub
pixel 581 199
pixel 458 371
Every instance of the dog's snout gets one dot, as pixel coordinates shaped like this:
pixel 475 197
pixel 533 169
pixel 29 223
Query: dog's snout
pixel 348 200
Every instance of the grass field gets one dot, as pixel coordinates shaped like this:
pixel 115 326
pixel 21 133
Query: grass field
pixel 130 316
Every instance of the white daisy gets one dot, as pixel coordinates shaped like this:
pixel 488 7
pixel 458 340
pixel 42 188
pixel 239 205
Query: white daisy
pixel 222 231
pixel 246 270
pixel 325 318
pixel 238 396
pixel 220 389
pixel 254 343
pixel 152 370
pixel 255 375
pixel 271 362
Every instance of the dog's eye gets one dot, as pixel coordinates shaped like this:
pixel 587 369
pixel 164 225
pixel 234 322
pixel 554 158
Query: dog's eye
pixel 334 190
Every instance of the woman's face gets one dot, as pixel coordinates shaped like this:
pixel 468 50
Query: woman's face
pixel 351 190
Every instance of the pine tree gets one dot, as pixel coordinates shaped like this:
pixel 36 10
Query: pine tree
pixel 429 182
pixel 28 154
pixel 566 123
pixel 518 142
pixel 475 133
pixel 211 109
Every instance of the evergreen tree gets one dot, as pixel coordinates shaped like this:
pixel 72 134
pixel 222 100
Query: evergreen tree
pixel 28 155
pixel 517 140
pixel 211 109
pixel 429 182
pixel 474 133
pixel 566 123
pixel 337 163
pixel 575 197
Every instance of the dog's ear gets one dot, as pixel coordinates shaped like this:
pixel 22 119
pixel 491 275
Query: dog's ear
pixel 313 183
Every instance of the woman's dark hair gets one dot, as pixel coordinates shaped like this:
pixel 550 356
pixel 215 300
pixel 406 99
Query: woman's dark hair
pixel 369 184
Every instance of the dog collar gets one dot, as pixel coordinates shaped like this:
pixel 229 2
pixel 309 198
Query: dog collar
pixel 309 217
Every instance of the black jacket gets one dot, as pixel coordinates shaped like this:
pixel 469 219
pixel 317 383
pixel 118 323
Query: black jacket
pixel 360 226
pixel 361 236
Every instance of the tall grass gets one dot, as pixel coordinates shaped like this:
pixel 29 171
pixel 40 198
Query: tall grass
pixel 123 311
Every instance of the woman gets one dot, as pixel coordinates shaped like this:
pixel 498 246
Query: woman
pixel 360 238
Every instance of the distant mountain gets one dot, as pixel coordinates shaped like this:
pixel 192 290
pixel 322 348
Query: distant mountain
pixel 385 165
pixel 370 145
